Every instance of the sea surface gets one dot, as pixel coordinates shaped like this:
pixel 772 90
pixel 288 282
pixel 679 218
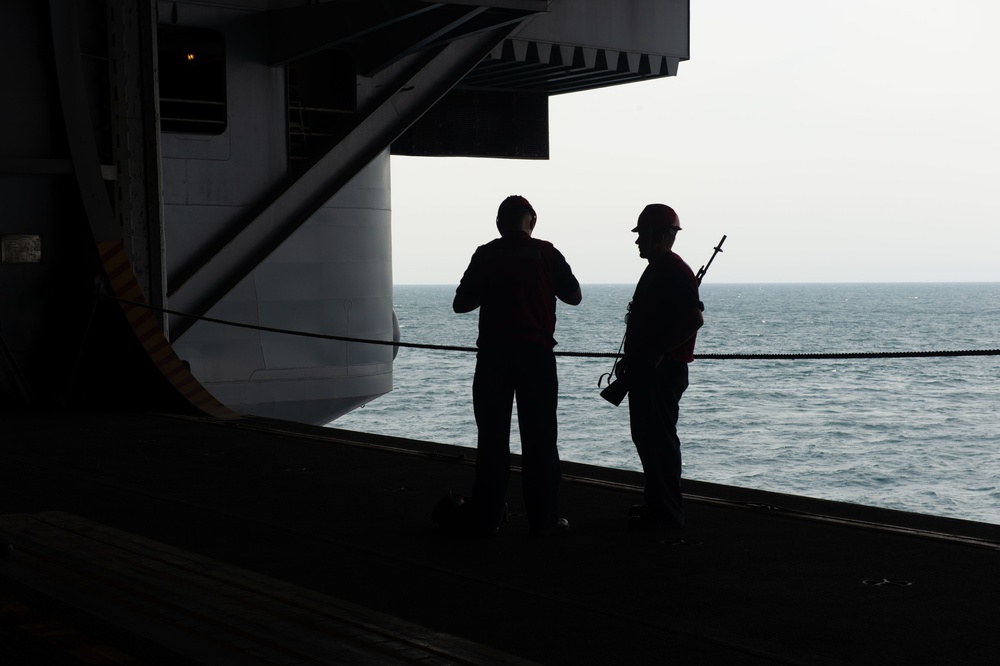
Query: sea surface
pixel 916 434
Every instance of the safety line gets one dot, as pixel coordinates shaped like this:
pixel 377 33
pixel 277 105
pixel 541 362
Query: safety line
pixel 848 355
pixel 419 345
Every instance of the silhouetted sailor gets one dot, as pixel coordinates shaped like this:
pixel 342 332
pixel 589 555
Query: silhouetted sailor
pixel 664 317
pixel 514 280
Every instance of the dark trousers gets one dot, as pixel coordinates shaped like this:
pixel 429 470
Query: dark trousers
pixel 529 374
pixel 653 408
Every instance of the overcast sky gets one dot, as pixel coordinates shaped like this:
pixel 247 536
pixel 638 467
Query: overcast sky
pixel 831 140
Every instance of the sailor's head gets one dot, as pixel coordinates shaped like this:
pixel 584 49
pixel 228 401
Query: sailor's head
pixel 515 213
pixel 657 227
pixel 656 217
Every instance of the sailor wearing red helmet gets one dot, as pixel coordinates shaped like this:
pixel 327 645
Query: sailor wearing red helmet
pixel 664 317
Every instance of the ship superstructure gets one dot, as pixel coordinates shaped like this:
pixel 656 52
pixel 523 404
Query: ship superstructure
pixel 166 162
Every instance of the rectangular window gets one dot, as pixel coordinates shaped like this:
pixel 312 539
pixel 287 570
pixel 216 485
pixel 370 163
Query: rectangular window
pixel 192 69
pixel 322 99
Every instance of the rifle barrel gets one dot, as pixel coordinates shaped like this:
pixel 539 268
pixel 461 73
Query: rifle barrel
pixel 704 269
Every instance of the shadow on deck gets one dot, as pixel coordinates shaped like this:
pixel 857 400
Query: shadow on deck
pixel 159 539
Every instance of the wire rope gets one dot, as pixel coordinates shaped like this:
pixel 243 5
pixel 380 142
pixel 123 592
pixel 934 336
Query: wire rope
pixel 792 356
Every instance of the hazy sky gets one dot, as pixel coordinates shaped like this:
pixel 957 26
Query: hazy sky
pixel 831 140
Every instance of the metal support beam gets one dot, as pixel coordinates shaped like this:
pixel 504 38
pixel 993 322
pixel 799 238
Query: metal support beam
pixel 137 196
pixel 276 218
pixel 379 34
pixel 76 117
pixel 422 32
pixel 299 31
pixel 528 5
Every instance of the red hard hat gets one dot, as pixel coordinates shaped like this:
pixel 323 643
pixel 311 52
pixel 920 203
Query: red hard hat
pixel 658 216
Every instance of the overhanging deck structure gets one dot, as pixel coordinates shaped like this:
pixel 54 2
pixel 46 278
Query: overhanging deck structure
pixel 175 160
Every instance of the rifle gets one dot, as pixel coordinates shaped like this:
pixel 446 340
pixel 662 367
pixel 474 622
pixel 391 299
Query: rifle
pixel 617 389
pixel 704 269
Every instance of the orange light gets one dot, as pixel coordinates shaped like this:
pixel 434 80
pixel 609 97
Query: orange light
pixel 190 56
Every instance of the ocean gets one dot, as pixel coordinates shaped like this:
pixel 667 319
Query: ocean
pixel 919 434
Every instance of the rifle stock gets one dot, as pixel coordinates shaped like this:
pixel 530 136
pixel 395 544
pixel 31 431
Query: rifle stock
pixel 615 392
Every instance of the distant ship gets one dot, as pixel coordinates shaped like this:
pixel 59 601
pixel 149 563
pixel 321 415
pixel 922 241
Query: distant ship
pixel 231 160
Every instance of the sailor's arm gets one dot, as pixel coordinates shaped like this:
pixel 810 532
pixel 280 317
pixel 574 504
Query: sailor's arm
pixel 468 292
pixel 678 331
pixel 573 298
pixel 464 304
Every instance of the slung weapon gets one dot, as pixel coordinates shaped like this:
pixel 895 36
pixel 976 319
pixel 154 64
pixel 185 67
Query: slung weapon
pixel 616 390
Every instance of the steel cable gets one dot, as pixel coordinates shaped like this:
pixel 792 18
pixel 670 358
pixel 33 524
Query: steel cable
pixel 794 356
